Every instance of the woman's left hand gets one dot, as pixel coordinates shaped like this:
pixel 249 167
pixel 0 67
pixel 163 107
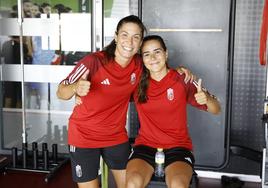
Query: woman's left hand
pixel 189 76
pixel 201 96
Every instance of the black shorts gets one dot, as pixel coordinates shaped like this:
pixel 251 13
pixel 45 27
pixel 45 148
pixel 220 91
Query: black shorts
pixel 85 162
pixel 171 155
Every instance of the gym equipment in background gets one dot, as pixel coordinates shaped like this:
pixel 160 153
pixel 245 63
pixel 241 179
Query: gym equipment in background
pixel 35 160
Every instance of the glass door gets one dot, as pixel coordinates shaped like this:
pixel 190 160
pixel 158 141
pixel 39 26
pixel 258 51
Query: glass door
pixel 40 43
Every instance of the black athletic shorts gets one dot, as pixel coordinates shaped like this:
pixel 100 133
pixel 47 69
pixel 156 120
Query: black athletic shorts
pixel 85 162
pixel 171 155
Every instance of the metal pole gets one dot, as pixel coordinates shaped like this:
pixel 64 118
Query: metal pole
pixel 104 174
pixel 20 21
pixel 93 26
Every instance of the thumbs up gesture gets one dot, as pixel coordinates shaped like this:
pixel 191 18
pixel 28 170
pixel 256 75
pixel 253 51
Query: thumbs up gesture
pixel 201 96
pixel 83 85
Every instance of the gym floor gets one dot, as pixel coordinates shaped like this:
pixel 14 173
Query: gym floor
pixel 14 179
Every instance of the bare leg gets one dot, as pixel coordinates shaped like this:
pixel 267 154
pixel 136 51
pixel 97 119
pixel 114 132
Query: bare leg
pixel 119 177
pixel 178 175
pixel 139 173
pixel 90 184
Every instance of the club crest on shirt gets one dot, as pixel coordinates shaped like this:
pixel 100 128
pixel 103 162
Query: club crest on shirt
pixel 133 78
pixel 170 94
pixel 78 171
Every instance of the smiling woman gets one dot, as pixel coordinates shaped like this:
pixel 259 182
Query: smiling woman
pixel 154 55
pixel 161 101
pixel 128 41
pixel 113 74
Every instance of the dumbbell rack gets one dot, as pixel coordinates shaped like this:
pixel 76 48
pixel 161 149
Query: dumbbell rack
pixel 3 163
pixel 37 161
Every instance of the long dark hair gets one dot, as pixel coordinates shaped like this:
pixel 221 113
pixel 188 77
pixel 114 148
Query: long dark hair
pixel 144 81
pixel 110 48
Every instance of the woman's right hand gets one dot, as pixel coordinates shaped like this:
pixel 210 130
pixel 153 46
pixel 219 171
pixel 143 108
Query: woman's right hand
pixel 82 87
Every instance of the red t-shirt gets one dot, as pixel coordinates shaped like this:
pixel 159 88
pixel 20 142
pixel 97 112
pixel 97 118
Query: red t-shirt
pixel 163 118
pixel 101 118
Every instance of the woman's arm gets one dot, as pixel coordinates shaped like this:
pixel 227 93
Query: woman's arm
pixel 66 92
pixel 213 104
pixel 80 88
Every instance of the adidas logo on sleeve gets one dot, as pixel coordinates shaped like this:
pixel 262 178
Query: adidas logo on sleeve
pixel 105 82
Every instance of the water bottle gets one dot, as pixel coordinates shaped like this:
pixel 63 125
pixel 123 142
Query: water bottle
pixel 159 163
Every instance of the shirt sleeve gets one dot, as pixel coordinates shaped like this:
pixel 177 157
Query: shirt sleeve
pixel 81 67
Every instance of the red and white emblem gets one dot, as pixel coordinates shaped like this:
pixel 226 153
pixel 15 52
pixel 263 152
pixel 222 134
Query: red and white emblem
pixel 170 94
pixel 133 78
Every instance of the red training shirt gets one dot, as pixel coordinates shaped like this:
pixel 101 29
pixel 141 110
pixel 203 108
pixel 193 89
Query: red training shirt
pixel 163 118
pixel 101 118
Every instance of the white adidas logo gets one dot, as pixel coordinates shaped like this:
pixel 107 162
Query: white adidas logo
pixel 105 82
pixel 188 159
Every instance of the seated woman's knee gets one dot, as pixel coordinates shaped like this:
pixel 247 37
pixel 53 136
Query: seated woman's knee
pixel 134 180
pixel 178 183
